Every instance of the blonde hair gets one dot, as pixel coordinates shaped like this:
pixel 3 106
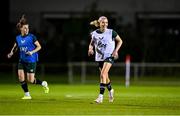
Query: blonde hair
pixel 96 22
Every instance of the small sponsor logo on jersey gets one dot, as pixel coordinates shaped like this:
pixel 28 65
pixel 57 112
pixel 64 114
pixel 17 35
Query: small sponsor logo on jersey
pixel 101 38
pixel 22 41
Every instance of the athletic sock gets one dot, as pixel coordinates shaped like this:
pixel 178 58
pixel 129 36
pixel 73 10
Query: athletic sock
pixel 24 86
pixel 37 81
pixel 100 96
pixel 102 88
pixel 27 94
pixel 109 87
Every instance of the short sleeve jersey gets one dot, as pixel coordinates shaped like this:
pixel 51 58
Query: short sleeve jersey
pixel 104 43
pixel 25 44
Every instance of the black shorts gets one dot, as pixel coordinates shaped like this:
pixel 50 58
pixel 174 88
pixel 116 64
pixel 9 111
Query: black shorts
pixel 27 67
pixel 109 59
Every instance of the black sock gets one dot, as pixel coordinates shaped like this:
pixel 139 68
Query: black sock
pixel 24 86
pixel 109 86
pixel 37 81
pixel 102 88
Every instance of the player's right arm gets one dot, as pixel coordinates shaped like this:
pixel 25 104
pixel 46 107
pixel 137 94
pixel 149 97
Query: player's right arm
pixel 91 46
pixel 13 50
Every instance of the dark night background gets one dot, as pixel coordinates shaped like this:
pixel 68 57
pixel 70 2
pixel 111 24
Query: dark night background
pixel 150 30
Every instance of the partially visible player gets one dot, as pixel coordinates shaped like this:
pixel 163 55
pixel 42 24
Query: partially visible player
pixel 106 43
pixel 28 47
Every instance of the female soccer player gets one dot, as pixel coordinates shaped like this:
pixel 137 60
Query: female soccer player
pixel 28 47
pixel 106 43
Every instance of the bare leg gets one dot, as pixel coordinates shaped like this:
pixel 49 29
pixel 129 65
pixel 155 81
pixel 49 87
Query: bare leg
pixel 31 78
pixel 23 82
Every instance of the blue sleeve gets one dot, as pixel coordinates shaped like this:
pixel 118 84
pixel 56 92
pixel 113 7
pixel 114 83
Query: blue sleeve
pixel 34 38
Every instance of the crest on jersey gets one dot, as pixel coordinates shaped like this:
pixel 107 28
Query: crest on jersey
pixel 101 38
pixel 22 41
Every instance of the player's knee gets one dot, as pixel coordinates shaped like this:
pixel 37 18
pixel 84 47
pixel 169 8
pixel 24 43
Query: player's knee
pixel 21 78
pixel 103 75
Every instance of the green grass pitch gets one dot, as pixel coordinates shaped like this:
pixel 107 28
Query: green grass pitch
pixel 78 100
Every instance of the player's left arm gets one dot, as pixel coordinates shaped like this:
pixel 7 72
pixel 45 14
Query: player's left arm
pixel 118 46
pixel 38 47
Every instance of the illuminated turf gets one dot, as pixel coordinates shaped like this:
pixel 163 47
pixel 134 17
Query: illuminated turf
pixel 78 99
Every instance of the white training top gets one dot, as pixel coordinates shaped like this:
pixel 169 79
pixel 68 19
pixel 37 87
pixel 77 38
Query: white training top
pixel 104 44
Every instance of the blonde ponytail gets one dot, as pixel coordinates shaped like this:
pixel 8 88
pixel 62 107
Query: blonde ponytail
pixel 95 23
